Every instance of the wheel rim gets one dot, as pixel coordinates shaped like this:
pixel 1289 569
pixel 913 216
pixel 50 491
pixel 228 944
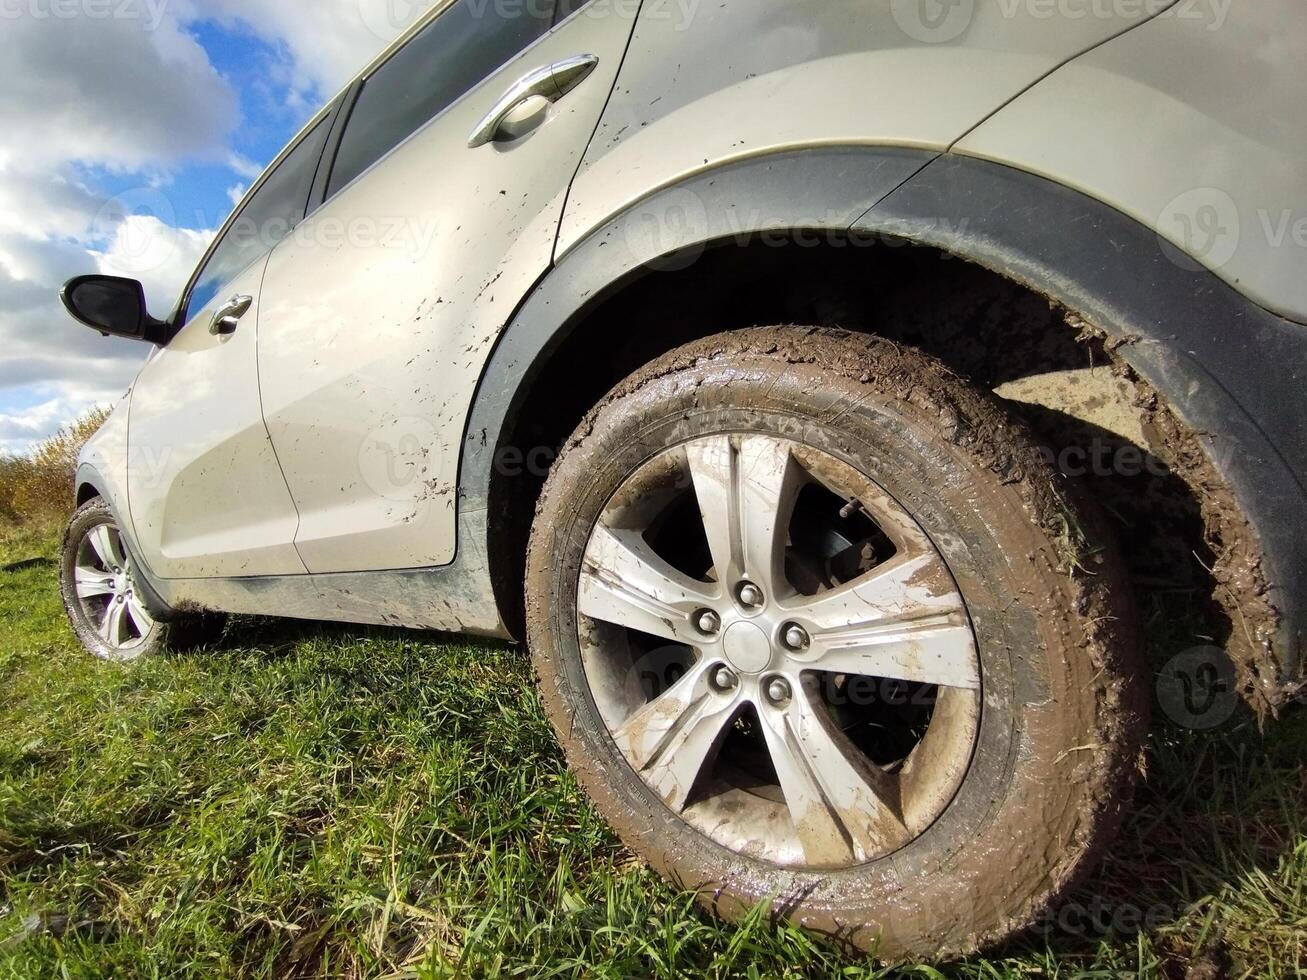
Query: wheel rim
pixel 103 579
pixel 723 639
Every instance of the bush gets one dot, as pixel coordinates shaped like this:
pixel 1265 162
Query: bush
pixel 37 489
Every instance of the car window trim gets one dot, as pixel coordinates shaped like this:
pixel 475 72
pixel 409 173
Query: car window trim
pixel 355 90
pixel 561 16
pixel 327 162
pixel 330 112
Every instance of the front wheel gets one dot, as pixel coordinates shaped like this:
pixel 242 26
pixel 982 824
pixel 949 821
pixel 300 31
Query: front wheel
pixel 98 582
pixel 818 628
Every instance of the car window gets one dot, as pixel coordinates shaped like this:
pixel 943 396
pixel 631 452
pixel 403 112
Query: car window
pixel 460 48
pixel 268 217
pixel 566 8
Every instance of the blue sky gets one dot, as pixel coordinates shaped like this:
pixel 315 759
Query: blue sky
pixel 125 138
pixel 199 190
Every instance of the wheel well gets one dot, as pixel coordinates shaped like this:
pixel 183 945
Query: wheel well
pixel 86 492
pixel 1104 425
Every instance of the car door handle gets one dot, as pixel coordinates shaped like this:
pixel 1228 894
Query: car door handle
pixel 227 319
pixel 551 82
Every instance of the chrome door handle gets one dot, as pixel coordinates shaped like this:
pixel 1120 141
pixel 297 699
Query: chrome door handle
pixel 227 319
pixel 551 82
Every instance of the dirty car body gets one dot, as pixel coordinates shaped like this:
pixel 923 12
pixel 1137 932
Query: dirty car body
pixel 331 425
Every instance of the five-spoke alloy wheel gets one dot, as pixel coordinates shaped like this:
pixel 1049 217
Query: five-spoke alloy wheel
pixel 751 647
pixel 814 631
pixel 106 593
pixel 101 593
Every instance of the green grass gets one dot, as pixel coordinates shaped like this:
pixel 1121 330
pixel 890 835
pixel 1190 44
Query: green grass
pixel 315 800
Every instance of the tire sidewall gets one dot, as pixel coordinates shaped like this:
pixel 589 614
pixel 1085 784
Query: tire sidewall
pixel 983 864
pixel 87 517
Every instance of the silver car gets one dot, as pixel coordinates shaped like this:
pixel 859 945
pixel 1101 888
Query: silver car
pixel 818 387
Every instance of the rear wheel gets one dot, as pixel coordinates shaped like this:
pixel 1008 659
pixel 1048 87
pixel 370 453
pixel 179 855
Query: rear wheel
pixel 98 582
pixel 813 622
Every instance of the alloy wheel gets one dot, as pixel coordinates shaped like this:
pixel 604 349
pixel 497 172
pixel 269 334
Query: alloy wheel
pixel 107 600
pixel 779 651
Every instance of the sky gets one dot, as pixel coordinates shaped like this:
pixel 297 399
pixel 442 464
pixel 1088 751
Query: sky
pixel 128 130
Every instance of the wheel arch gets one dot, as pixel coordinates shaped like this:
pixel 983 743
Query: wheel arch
pixel 90 485
pixel 1170 322
pixel 86 491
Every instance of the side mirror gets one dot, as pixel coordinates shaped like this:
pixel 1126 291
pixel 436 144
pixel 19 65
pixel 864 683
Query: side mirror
pixel 113 306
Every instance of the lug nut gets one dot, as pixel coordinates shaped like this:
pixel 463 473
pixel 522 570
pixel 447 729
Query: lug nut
pixel 750 595
pixel 708 622
pixel 778 691
pixel 796 637
pixel 724 679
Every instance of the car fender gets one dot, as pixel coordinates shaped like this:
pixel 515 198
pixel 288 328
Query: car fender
pixel 1199 343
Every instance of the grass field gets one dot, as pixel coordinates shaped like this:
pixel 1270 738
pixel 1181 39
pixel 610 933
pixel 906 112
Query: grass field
pixel 317 800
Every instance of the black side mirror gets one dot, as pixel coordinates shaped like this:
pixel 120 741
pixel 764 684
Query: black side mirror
pixel 113 306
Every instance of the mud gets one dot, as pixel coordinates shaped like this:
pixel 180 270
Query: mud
pixel 1196 535
pixel 1080 719
pixel 1193 559
pixel 1181 529
pixel 1237 569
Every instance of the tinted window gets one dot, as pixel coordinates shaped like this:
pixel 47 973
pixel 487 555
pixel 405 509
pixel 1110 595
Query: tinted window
pixel 566 8
pixel 268 217
pixel 460 48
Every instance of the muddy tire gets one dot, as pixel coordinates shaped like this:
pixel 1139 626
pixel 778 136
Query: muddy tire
pixel 97 582
pixel 704 691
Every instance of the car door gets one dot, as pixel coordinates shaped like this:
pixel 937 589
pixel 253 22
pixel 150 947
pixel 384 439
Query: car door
pixel 206 495
pixel 441 213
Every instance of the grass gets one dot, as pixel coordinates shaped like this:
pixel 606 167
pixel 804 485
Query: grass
pixel 315 800
pixel 36 488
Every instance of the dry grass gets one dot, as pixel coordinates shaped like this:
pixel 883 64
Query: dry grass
pixel 36 490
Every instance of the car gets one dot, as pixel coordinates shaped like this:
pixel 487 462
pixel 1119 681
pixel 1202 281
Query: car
pixel 817 387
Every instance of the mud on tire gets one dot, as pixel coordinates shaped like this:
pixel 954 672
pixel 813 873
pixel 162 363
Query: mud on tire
pixel 1060 710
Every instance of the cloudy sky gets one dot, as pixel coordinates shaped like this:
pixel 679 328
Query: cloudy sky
pixel 127 130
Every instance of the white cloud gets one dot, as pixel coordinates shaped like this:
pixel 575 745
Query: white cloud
pixel 32 422
pixel 138 97
pixel 244 167
pixel 44 351
pixel 327 46
pixel 108 92
pixel 19 430
pixel 45 204
pixel 112 94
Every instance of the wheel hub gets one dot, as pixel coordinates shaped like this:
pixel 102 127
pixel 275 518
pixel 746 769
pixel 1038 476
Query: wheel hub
pixel 747 648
